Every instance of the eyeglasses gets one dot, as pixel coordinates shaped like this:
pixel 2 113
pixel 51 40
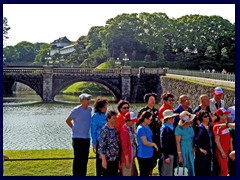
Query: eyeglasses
pixel 171 100
pixel 125 107
pixel 205 116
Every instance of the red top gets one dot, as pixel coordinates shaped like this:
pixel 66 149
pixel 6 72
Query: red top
pixel 126 145
pixel 224 134
pixel 119 122
pixel 162 109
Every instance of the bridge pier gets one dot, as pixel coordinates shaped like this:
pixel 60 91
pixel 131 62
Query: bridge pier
pixel 47 84
pixel 126 82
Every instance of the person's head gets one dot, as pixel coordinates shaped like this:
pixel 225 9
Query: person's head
pixel 130 118
pixel 204 100
pixel 217 94
pixel 85 99
pixel 150 99
pixel 184 100
pixel 111 117
pixel 186 118
pixel 203 116
pixel 221 114
pixel 123 106
pixel 168 116
pixel 146 117
pixel 168 99
pixel 100 104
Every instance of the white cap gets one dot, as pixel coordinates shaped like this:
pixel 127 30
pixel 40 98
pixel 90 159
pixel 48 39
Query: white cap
pixel 84 96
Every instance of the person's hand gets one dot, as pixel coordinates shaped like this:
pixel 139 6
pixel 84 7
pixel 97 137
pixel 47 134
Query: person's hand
pixel 223 155
pixel 203 151
pixel 155 146
pixel 94 149
pixel 167 161
pixel 180 159
pixel 104 164
pixel 232 155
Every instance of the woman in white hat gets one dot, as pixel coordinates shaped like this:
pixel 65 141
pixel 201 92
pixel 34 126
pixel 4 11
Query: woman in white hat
pixel 168 143
pixel 184 134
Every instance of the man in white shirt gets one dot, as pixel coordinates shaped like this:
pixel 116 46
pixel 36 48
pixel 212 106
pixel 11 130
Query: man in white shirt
pixel 216 102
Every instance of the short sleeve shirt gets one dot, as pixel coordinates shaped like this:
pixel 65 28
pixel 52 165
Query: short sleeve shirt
pixel 81 122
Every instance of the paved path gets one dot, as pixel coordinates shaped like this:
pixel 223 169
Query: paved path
pixel 206 80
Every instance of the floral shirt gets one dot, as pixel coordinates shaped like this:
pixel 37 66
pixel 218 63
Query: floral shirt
pixel 109 143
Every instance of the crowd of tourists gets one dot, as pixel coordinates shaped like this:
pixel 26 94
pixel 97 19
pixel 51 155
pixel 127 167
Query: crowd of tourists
pixel 201 139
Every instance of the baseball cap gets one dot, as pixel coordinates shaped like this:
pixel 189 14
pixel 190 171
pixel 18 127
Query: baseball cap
pixel 130 116
pixel 217 91
pixel 84 96
pixel 221 111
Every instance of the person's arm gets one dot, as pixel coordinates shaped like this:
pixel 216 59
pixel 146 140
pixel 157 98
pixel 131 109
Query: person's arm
pixel 102 147
pixel 69 121
pixel 164 144
pixel 94 124
pixel 178 140
pixel 219 146
pixel 147 143
pixel 125 146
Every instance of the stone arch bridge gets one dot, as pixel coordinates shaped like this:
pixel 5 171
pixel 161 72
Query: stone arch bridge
pixel 124 83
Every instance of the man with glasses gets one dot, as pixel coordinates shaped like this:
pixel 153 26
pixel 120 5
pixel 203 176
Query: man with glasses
pixel 168 101
pixel 184 105
pixel 79 120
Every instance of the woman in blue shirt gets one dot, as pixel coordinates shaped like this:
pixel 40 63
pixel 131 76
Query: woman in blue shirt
pixel 98 121
pixel 145 144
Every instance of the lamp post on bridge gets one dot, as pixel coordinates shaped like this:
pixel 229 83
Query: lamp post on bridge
pixel 125 59
pixel 117 62
pixel 48 59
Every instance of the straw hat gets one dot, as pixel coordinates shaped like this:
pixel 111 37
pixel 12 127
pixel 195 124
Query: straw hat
pixel 168 114
pixel 185 117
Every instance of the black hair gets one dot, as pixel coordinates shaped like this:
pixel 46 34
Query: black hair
pixel 148 95
pixel 111 113
pixel 99 103
pixel 201 114
pixel 145 114
pixel 121 103
pixel 167 95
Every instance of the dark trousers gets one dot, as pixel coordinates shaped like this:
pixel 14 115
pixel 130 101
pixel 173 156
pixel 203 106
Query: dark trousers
pixel 112 168
pixel 81 151
pixel 145 166
pixel 99 168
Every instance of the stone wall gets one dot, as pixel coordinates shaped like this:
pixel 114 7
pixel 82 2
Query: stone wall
pixel 193 90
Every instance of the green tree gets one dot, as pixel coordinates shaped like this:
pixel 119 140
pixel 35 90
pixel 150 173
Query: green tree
pixel 6 28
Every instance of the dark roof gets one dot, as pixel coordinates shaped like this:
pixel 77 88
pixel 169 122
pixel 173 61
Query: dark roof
pixel 62 40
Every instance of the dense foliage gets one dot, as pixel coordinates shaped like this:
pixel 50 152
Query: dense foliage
pixel 189 42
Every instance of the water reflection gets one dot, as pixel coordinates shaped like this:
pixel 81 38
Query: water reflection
pixel 36 125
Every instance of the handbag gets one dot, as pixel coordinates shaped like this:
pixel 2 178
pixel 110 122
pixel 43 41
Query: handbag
pixel 181 171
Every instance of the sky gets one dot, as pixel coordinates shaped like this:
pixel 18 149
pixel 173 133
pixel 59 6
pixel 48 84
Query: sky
pixel 48 22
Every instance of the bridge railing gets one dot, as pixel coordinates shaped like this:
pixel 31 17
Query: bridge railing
pixel 86 70
pixel 23 70
pixel 215 75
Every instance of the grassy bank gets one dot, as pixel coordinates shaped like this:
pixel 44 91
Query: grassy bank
pixel 44 167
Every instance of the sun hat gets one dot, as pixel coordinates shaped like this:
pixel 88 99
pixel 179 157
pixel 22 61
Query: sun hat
pixel 130 116
pixel 221 111
pixel 185 117
pixel 217 91
pixel 84 96
pixel 169 114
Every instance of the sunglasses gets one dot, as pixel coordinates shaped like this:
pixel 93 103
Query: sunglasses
pixel 125 107
pixel 205 116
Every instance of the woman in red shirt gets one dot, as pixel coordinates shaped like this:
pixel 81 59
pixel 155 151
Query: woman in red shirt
pixel 222 140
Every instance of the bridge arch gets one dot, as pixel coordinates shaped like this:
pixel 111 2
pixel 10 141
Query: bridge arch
pixel 61 83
